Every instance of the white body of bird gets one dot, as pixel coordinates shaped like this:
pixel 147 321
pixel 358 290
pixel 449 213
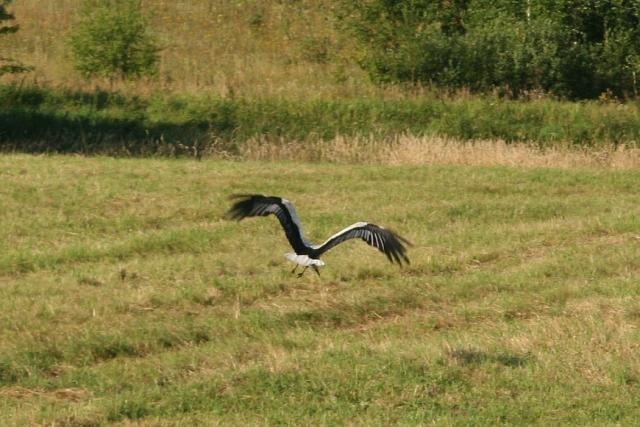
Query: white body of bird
pixel 303 260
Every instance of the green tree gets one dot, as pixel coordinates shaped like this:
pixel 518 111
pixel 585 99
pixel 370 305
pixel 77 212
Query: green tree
pixel 570 48
pixel 112 39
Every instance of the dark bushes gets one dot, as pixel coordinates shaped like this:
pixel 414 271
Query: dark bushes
pixel 577 49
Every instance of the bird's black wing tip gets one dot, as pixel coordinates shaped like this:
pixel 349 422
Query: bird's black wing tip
pixel 392 233
pixel 406 260
pixel 402 259
pixel 238 209
pixel 400 239
pixel 398 248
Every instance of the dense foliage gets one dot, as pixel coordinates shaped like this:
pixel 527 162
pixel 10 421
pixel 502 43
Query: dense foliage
pixel 112 40
pixel 570 48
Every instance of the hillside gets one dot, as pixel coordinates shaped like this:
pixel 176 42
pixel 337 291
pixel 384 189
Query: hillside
pixel 241 48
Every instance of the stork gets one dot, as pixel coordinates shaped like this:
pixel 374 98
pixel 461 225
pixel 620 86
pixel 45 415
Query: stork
pixel 305 253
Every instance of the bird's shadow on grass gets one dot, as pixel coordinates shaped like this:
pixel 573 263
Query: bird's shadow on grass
pixel 468 357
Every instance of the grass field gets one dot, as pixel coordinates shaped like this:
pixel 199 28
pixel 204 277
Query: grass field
pixel 124 298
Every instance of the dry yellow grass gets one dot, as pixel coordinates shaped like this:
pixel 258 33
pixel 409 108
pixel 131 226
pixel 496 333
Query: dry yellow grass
pixel 412 150
pixel 246 47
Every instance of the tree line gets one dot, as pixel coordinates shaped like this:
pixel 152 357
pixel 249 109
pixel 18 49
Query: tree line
pixel 574 49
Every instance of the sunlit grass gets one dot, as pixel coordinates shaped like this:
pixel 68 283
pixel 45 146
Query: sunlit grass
pixel 124 296
pixel 226 48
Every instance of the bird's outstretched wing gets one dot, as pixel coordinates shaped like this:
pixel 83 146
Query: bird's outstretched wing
pixel 386 241
pixel 248 205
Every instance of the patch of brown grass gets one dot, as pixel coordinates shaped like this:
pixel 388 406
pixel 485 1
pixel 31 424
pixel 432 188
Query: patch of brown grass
pixel 432 150
pixel 68 394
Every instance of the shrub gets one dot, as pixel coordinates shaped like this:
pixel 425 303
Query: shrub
pixel 112 40
pixel 570 48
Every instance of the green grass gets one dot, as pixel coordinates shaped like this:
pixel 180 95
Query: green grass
pixel 124 297
pixel 36 119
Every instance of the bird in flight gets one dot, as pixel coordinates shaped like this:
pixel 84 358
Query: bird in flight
pixel 305 253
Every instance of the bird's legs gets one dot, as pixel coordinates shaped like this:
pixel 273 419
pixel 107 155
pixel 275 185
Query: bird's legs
pixel 315 268
pixel 294 269
pixel 305 269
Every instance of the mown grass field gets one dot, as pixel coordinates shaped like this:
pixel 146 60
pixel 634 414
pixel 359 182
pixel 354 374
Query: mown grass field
pixel 126 299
